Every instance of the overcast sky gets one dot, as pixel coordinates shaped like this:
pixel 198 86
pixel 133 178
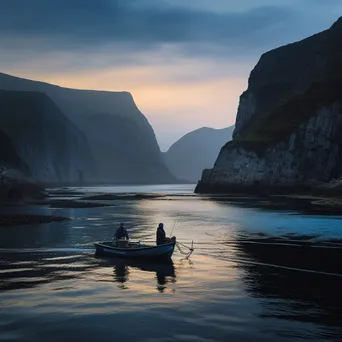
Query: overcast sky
pixel 186 62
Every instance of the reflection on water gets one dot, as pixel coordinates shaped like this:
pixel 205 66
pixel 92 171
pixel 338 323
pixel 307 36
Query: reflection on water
pixel 255 276
pixel 164 271
pixel 26 270
pixel 121 273
pixel 305 288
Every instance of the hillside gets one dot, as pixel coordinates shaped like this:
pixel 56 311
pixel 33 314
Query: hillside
pixel 82 106
pixel 184 159
pixel 15 182
pixel 123 151
pixel 55 150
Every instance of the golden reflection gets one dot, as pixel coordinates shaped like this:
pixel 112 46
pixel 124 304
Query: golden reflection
pixel 164 272
pixel 98 289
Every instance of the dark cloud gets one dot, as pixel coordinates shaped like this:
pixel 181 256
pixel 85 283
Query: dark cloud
pixel 117 32
pixel 78 23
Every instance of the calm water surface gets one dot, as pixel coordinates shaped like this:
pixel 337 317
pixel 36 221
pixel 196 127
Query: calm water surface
pixel 244 282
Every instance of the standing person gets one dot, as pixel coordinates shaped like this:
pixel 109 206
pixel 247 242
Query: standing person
pixel 121 232
pixel 161 236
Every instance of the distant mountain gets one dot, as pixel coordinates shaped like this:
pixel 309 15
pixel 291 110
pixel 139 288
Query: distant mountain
pixel 55 150
pixel 123 150
pixel 105 116
pixel 196 151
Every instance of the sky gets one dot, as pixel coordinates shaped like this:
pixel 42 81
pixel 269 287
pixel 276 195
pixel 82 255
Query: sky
pixel 186 62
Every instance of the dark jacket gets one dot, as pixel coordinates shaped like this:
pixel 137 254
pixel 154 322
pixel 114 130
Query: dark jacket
pixel 121 233
pixel 160 236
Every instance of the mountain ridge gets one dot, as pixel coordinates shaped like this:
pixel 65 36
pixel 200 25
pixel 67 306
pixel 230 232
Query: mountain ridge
pixel 78 105
pixel 183 159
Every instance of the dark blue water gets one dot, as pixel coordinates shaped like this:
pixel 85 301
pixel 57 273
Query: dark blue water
pixel 251 278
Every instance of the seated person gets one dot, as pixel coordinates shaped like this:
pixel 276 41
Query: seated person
pixel 161 236
pixel 121 232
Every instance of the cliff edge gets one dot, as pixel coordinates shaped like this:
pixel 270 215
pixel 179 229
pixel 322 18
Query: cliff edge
pixel 287 135
pixel 104 117
pixel 54 149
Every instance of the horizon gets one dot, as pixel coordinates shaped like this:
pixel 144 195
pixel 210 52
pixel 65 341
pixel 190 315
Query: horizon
pixel 182 77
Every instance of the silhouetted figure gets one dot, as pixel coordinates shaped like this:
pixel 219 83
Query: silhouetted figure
pixel 161 236
pixel 121 232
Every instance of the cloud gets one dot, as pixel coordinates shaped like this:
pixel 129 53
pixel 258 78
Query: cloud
pixel 142 24
pixel 120 32
pixel 185 61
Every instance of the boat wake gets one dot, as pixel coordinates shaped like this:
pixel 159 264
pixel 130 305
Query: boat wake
pixel 47 250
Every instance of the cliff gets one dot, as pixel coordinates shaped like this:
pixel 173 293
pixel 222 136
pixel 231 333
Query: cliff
pixel 14 173
pixel 48 142
pixel 123 150
pixel 287 134
pixel 9 156
pixel 83 106
pixel 183 159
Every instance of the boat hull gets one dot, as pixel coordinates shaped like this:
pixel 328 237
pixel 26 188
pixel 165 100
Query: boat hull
pixel 164 251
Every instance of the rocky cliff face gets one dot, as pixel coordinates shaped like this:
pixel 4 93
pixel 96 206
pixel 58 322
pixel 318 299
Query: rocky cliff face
pixel 8 155
pixel 183 159
pixel 81 106
pixel 288 124
pixel 55 150
pixel 123 152
pixel 14 173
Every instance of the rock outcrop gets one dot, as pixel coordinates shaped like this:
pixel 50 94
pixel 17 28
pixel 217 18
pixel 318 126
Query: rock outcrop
pixel 89 110
pixel 8 155
pixel 54 149
pixel 287 135
pixel 183 159
pixel 15 182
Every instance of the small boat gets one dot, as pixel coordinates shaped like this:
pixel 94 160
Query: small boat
pixel 127 249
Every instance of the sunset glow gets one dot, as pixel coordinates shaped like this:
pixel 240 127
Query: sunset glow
pixel 185 62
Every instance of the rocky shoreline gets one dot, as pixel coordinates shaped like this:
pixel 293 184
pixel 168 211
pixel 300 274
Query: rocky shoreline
pixel 7 220
pixel 332 189
pixel 301 204
pixel 308 203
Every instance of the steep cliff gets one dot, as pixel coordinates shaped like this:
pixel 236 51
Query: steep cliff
pixel 9 156
pixel 183 159
pixel 49 143
pixel 287 134
pixel 14 173
pixel 81 106
pixel 123 151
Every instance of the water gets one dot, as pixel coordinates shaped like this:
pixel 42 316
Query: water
pixel 250 278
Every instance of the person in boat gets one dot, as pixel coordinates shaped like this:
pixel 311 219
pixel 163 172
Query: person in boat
pixel 121 232
pixel 161 236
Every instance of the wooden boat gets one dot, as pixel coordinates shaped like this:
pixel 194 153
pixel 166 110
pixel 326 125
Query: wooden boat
pixel 127 249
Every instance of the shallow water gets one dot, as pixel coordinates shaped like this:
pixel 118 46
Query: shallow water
pixel 250 278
